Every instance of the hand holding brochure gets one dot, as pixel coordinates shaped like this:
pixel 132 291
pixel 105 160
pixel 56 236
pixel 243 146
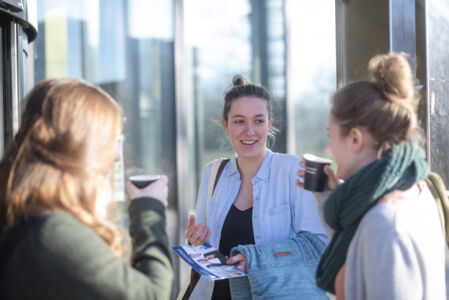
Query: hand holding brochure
pixel 208 261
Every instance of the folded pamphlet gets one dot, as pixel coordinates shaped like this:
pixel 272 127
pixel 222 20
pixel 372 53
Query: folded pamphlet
pixel 208 261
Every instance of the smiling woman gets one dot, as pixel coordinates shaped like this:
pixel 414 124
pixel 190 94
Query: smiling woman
pixel 255 183
pixel 248 126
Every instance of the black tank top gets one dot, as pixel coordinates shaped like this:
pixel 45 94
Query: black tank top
pixel 237 230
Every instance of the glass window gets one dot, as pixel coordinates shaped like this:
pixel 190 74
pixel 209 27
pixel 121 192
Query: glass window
pixel 313 71
pixel 225 38
pixel 218 46
pixel 127 48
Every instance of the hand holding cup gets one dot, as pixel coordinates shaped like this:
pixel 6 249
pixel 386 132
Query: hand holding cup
pixel 157 189
pixel 316 173
pixel 143 180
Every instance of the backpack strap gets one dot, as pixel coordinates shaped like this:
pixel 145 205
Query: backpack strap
pixel 216 170
pixel 438 189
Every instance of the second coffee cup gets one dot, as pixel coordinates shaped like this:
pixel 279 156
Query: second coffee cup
pixel 314 177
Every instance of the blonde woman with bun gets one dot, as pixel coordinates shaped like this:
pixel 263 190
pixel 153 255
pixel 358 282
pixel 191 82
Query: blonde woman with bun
pixel 54 243
pixel 387 240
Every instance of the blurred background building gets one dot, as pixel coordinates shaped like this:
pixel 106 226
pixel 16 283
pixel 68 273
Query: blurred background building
pixel 168 63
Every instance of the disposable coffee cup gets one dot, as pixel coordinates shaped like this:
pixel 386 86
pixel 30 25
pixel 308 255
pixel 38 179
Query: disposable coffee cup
pixel 143 180
pixel 314 178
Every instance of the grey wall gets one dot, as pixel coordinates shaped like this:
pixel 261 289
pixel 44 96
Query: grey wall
pixel 420 28
pixel 437 41
pixel 362 32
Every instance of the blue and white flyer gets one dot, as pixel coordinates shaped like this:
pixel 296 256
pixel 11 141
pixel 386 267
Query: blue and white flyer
pixel 208 261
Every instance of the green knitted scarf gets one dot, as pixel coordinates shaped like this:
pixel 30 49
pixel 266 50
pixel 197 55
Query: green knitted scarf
pixel 399 169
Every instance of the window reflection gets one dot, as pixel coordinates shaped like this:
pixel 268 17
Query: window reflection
pixel 224 38
pixel 218 46
pixel 127 49
pixel 313 71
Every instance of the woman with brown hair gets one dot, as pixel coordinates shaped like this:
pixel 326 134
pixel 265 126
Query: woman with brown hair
pixel 387 238
pixel 256 205
pixel 54 243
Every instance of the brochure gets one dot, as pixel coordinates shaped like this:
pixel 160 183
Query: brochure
pixel 208 261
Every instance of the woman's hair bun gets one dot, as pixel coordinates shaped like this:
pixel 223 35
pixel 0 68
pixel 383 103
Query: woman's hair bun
pixel 393 75
pixel 239 80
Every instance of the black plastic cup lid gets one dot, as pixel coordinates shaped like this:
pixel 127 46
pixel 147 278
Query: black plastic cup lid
pixel 143 180
pixel 314 158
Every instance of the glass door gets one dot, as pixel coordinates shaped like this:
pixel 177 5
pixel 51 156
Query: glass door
pixel 15 35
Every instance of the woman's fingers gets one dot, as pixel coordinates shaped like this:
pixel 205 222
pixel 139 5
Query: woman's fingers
pixel 198 231
pixel 191 221
pixel 206 239
pixel 197 234
pixel 332 181
pixel 300 174
pixel 190 233
pixel 204 235
pixel 238 259
pixel 234 259
pixel 190 228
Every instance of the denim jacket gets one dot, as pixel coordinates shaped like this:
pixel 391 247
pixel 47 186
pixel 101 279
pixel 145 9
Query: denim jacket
pixel 280 208
pixel 280 270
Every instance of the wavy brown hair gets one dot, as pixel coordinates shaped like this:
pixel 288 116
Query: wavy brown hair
pixel 60 156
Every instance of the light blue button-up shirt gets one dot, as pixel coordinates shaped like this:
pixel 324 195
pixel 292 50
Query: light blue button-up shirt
pixel 280 208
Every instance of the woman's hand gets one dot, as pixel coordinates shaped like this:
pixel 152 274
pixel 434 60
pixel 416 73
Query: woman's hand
pixel 340 283
pixel 332 181
pixel 239 260
pixel 196 234
pixel 398 195
pixel 157 190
